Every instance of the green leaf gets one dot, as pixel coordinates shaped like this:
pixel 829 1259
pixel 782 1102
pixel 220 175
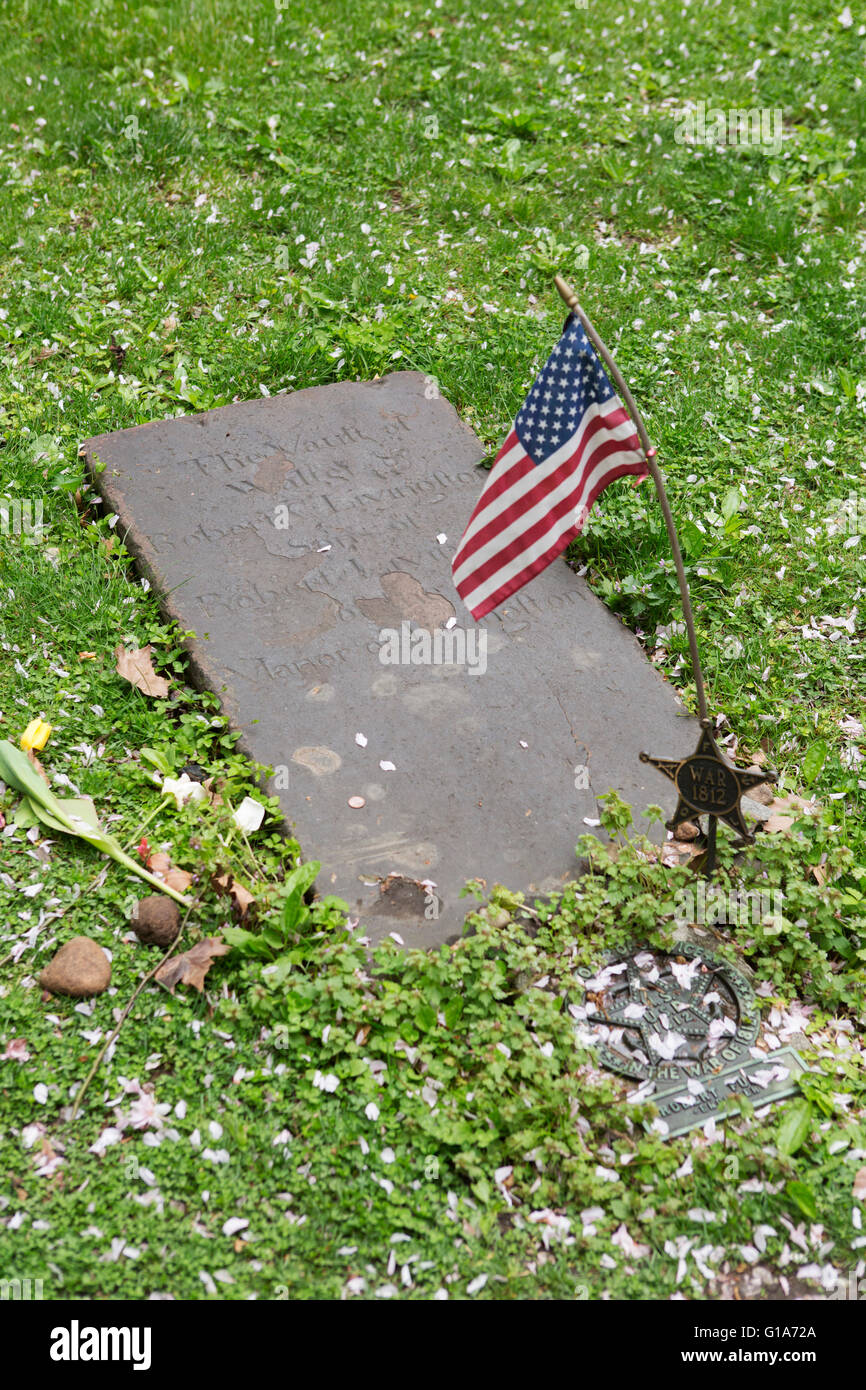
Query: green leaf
pixel 17 771
pixel 274 974
pixel 24 816
pixel 731 502
pixel 425 1017
pixel 804 1197
pixel 72 817
pixel 158 759
pixel 299 882
pixel 453 1011
pixel 847 382
pixel 813 761
pixel 237 937
pixel 794 1128
pixel 295 911
pixel 73 808
pixel 692 540
pixel 302 878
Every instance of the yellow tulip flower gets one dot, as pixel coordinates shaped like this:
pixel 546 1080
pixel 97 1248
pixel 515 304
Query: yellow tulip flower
pixel 36 735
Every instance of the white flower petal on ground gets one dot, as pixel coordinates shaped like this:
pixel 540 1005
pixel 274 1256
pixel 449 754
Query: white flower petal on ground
pixel 607 1174
pixel 234 1224
pixel 499 1177
pixel 759 1237
pixel 183 789
pixel 685 974
pixel 590 1215
pixel 719 1027
pixel 556 1226
pixel 477 1284
pixel 629 1247
pixel 109 1136
pixel 768 1075
pixel 668 1046
pixel 327 1082
pixel 249 815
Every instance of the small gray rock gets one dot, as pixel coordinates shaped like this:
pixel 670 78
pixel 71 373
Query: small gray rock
pixel 755 809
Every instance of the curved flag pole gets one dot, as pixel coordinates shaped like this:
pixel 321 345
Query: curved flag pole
pixel 570 298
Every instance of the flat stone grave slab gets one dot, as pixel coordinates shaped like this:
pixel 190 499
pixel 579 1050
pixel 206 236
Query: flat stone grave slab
pixel 306 540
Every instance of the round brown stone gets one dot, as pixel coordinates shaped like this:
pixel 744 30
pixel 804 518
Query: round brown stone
pixel 79 969
pixel 158 920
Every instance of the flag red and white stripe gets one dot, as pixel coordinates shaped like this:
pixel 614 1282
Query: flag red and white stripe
pixel 529 511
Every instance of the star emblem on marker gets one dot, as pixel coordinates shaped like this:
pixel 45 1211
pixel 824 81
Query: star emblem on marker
pixel 708 784
pixel 663 1006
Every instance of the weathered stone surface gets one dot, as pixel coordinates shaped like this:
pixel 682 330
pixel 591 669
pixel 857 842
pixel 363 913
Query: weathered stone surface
pixel 288 533
pixel 79 968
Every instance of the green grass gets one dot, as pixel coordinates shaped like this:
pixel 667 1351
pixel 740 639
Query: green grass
pixel 203 203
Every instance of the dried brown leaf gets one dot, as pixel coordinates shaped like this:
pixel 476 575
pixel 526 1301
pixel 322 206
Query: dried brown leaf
pixel 137 668
pixel 178 879
pixel 191 967
pixel 240 896
pixel 160 864
pixel 763 793
pixel 36 764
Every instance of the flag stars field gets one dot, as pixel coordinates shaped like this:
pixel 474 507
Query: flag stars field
pixel 544 479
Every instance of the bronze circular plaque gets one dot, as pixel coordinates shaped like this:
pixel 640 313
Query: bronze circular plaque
pixel 707 785
pixel 660 1016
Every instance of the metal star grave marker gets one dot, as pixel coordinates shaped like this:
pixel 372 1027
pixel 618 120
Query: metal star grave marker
pixel 709 785
pixel 683 1025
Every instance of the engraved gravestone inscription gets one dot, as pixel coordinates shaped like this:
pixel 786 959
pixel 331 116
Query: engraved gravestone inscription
pixel 306 540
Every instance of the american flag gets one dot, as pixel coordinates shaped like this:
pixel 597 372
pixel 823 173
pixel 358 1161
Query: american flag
pixel 571 438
